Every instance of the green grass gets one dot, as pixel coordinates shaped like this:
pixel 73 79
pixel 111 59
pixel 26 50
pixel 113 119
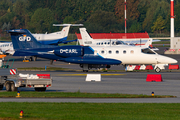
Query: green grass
pixel 77 94
pixel 162 42
pixel 90 111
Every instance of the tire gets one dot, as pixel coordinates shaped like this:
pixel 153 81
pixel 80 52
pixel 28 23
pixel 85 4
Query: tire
pixel 1 87
pixel 85 70
pixel 13 88
pixel 157 70
pixel 8 86
pixel 40 89
pixel 51 62
pixel 34 58
pixel 30 59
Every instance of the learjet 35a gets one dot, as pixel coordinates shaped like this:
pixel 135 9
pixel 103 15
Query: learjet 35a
pixel 88 57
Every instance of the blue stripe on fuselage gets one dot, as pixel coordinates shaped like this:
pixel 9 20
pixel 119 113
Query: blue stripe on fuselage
pixel 56 41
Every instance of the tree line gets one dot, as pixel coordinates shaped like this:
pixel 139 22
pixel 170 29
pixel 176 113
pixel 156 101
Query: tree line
pixel 152 16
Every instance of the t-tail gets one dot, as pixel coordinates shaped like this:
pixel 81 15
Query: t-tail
pixel 64 32
pixel 148 43
pixel 86 38
pixel 23 39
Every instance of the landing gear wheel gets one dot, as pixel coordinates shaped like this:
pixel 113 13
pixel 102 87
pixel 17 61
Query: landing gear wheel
pixel 157 70
pixel 30 59
pixel 40 89
pixel 1 87
pixel 34 58
pixel 8 86
pixel 13 88
pixel 51 62
pixel 85 70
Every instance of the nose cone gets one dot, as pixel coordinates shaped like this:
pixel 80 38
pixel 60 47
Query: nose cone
pixel 166 60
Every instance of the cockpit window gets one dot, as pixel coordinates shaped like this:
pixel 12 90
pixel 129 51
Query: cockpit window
pixel 147 51
pixel 120 42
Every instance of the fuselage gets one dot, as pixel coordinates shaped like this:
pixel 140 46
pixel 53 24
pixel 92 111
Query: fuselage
pixel 133 55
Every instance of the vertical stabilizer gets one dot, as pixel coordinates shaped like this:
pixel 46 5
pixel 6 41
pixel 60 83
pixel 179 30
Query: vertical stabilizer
pixel 148 43
pixel 65 31
pixel 86 39
pixel 23 39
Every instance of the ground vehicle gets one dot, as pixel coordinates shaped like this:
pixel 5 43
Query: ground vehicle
pixel 12 81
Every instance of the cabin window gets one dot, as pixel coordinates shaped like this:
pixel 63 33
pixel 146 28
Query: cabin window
pixel 102 52
pixel 124 51
pixel 110 51
pixel 132 51
pixel 117 52
pixel 105 43
pixel 147 51
pixel 108 43
pixel 102 43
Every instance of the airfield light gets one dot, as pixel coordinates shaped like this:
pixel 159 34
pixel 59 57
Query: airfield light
pixel 152 93
pixel 21 114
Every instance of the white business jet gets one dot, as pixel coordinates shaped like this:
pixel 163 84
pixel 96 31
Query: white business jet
pixel 56 37
pixel 93 42
pixel 129 55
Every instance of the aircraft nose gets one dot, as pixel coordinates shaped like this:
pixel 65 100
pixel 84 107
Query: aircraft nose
pixel 167 60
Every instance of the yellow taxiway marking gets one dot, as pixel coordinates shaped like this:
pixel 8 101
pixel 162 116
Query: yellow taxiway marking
pixel 90 73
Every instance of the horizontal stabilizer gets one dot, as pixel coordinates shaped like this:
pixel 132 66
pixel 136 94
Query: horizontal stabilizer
pixel 68 25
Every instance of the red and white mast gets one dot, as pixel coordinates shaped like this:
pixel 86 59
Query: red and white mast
pixel 125 14
pixel 172 18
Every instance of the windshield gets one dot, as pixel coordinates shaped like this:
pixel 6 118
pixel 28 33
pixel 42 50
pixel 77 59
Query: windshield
pixel 120 42
pixel 147 51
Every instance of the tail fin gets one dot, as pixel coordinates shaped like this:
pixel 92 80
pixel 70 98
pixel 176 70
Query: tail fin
pixel 86 39
pixel 148 43
pixel 23 39
pixel 64 32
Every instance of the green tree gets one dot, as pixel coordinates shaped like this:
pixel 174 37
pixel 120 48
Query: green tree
pixel 159 24
pixel 102 19
pixel 69 19
pixel 40 20
pixel 177 18
pixel 135 27
pixel 132 11
pixel 156 8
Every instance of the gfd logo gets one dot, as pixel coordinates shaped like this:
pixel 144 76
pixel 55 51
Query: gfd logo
pixel 24 38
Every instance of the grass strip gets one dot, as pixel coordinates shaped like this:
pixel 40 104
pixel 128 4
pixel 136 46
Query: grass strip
pixel 78 94
pixel 90 111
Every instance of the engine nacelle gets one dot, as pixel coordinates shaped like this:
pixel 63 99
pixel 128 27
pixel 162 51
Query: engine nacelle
pixel 69 51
